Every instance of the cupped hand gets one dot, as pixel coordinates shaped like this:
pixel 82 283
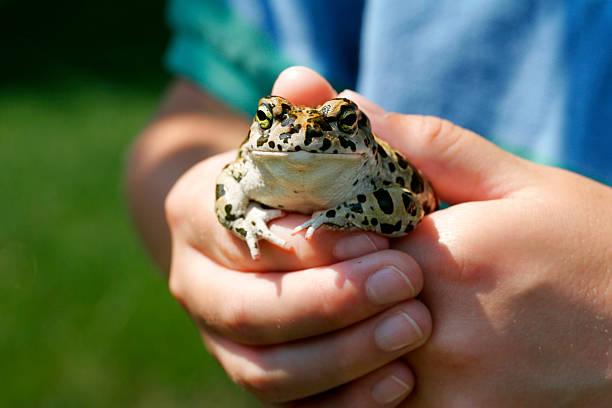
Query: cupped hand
pixel 320 325
pixel 517 274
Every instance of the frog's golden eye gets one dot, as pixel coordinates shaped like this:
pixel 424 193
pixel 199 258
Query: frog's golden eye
pixel 264 117
pixel 347 120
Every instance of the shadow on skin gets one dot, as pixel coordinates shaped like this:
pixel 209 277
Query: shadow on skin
pixel 476 331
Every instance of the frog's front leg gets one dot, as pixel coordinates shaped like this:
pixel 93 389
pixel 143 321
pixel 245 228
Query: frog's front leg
pixel 245 218
pixel 392 211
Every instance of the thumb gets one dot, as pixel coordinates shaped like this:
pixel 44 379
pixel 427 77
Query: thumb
pixel 303 86
pixel 461 165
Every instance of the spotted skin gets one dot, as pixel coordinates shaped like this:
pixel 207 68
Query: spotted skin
pixel 323 161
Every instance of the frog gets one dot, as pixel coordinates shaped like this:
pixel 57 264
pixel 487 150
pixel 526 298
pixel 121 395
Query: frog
pixel 323 161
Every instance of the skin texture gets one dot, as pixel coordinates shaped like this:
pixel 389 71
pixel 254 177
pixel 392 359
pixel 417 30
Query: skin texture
pixel 515 277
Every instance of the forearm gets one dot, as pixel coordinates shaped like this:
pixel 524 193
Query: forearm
pixel 190 126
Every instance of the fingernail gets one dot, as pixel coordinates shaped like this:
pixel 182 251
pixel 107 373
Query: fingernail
pixel 389 285
pixel 353 246
pixel 396 332
pixel 390 389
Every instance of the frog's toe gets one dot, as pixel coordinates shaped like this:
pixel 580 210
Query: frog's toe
pixel 251 241
pixel 276 240
pixel 310 226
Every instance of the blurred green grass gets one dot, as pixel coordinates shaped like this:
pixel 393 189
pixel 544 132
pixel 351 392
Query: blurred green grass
pixel 85 319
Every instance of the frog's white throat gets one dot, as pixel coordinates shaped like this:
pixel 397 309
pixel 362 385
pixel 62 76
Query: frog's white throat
pixel 303 181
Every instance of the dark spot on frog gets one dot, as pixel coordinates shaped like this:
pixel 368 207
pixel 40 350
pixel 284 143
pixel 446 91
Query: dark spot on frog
pixel 326 144
pixel 262 140
pixel 361 198
pixel 401 161
pixel 219 191
pixel 374 221
pixel 330 214
pixel 365 221
pixel 416 184
pixel 335 151
pixel 409 228
pixel 320 122
pixel 391 167
pixel 279 147
pixel 345 143
pixel 400 181
pixel 241 231
pixel 271 144
pixel 390 228
pixel 381 150
pixel 356 207
pixel 364 122
pixel 228 213
pixel 311 133
pixel 386 183
pixel 385 202
pixel 297 148
pixel 409 204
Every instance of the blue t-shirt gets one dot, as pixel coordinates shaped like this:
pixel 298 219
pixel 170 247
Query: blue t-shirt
pixel 533 76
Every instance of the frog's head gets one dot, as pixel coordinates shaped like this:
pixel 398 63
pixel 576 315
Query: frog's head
pixel 335 127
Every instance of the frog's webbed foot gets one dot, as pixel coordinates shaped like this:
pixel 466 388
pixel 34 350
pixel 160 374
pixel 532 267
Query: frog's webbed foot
pixel 391 211
pixel 254 227
pixel 310 226
pixel 333 218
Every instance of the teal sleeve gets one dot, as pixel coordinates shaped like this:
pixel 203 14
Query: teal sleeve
pixel 231 59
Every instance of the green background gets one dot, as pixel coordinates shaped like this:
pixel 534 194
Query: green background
pixel 85 319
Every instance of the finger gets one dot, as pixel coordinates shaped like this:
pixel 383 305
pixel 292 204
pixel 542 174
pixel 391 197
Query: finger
pixel 190 213
pixel 386 387
pixel 271 308
pixel 461 165
pixel 303 86
pixel 291 371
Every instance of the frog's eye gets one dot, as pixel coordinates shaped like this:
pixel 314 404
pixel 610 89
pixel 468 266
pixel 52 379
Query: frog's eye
pixel 264 117
pixel 347 120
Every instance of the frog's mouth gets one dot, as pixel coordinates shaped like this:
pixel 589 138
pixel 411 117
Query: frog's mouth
pixel 302 157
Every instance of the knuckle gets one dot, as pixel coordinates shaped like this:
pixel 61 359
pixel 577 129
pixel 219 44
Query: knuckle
pixel 175 286
pixel 236 321
pixel 260 382
pixel 458 348
pixel 439 133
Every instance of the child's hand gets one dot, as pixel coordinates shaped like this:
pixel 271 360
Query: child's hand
pixel 337 311
pixel 517 274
